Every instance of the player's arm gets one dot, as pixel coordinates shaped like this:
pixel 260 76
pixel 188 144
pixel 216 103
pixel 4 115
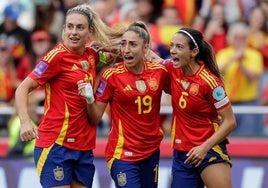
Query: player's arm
pixel 228 123
pixel 153 57
pixel 95 109
pixel 28 130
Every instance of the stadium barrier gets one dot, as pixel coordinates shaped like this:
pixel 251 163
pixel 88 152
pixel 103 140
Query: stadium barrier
pixel 249 156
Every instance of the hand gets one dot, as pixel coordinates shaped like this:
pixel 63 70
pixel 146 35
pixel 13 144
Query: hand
pixel 28 132
pixel 85 90
pixel 239 53
pixel 97 45
pixel 196 155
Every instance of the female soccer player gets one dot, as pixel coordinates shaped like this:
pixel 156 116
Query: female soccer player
pixel 65 139
pixel 202 114
pixel 133 89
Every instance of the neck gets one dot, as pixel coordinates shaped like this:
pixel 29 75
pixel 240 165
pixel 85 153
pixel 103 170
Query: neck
pixel 191 69
pixel 137 69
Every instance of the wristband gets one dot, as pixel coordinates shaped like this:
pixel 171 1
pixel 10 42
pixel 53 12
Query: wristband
pixel 89 94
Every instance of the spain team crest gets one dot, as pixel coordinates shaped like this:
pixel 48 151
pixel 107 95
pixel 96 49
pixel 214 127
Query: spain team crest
pixel 140 85
pixel 121 179
pixel 58 173
pixel 194 89
pixel 152 82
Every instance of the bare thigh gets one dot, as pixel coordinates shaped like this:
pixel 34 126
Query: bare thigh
pixel 217 176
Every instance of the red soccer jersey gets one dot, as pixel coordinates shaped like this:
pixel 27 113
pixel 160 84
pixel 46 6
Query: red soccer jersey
pixel 65 119
pixel 135 110
pixel 195 101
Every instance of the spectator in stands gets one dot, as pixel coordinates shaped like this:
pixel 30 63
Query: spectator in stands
pixel 147 13
pixel 48 17
pixel 8 82
pixel 186 9
pixel 166 25
pixel 42 41
pixel 233 9
pixel 258 39
pixel 18 39
pixel 215 27
pixel 242 67
pixel 129 13
pixel 149 10
pixel 264 6
pixel 264 101
pixel 198 23
pixel 100 7
pixel 17 148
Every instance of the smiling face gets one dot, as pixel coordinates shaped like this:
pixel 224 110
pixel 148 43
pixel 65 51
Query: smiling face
pixel 133 50
pixel 76 32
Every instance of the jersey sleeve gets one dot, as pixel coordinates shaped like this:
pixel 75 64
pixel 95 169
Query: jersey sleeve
pixel 46 68
pixel 104 89
pixel 218 96
pixel 167 83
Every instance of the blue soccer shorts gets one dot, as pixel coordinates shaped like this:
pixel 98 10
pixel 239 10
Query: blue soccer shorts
pixel 58 166
pixel 187 175
pixel 140 174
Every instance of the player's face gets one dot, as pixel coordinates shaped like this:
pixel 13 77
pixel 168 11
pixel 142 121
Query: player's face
pixel 180 51
pixel 76 32
pixel 133 49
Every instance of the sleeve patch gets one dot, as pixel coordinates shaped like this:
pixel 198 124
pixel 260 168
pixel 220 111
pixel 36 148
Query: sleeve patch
pixel 218 93
pixel 166 61
pixel 40 68
pixel 101 87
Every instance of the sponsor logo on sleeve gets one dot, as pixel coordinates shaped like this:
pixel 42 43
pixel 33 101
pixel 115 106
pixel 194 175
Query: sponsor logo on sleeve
pixel 101 87
pixel 40 68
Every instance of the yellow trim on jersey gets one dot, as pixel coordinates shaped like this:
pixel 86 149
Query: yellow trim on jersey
pixel 48 97
pixel 120 142
pixel 173 131
pixel 41 161
pixel 121 69
pixel 107 73
pixel 208 78
pixel 64 128
pixel 153 66
pixel 52 54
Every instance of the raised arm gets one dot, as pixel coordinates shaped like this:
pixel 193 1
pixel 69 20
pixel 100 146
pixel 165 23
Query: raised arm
pixel 95 108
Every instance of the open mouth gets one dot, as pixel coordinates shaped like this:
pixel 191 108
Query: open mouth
pixel 175 59
pixel 127 57
pixel 74 39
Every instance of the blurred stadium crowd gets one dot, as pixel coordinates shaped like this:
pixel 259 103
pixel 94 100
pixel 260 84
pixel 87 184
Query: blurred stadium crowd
pixel 237 30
